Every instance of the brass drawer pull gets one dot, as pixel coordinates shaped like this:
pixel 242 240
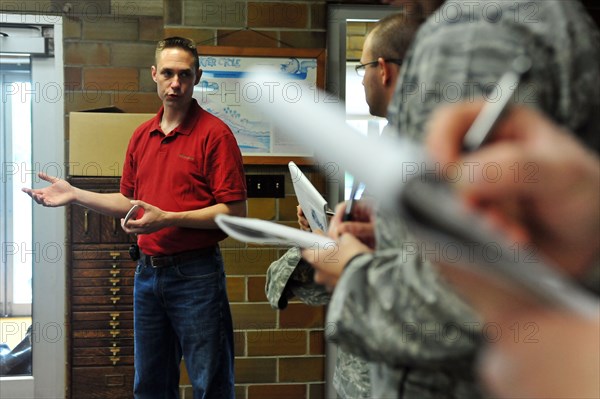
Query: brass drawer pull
pixel 115 360
pixel 115 299
pixel 114 333
pixel 114 272
pixel 86 224
pixel 115 255
pixel 114 290
pixel 114 351
pixel 115 315
pixel 114 281
pixel 114 324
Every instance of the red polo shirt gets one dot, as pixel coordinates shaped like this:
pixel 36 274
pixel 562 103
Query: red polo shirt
pixel 197 165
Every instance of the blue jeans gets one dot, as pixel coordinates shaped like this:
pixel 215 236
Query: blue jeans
pixel 183 310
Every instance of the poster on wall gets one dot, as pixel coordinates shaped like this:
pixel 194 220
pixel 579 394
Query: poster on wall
pixel 226 92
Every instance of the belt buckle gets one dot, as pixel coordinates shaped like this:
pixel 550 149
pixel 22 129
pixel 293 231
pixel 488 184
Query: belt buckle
pixel 152 265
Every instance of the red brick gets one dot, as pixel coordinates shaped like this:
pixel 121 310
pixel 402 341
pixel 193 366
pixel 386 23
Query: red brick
pixel 297 391
pixel 274 343
pixel 256 289
pixel 301 369
pixel 82 53
pixel 248 261
pixel 109 28
pixel 73 79
pixel 317 391
pixel 299 315
pixel 253 316
pixel 255 370
pixel 277 15
pixel 151 29
pixel 236 289
pixel 114 79
pixel 316 342
pixel 136 102
pixel 239 343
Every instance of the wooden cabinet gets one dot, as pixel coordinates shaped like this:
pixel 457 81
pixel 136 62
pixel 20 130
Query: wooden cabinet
pixel 100 301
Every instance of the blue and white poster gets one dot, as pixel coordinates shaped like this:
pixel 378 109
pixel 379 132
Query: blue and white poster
pixel 225 92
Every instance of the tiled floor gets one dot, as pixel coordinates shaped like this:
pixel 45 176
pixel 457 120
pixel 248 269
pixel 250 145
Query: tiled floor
pixel 13 330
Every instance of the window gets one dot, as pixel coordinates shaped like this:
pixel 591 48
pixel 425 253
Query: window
pixel 15 220
pixel 32 237
pixel 342 78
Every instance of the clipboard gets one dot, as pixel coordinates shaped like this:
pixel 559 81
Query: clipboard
pixel 313 204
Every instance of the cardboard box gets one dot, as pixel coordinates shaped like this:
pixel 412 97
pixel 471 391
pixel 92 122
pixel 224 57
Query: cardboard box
pixel 98 141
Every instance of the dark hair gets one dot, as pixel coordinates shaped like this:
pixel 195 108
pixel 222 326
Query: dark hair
pixel 179 42
pixel 391 36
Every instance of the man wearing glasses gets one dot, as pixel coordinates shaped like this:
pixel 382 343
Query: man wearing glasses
pixel 379 76
pixel 289 276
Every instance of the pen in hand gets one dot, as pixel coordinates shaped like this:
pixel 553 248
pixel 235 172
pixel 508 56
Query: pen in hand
pixel 484 123
pixel 347 216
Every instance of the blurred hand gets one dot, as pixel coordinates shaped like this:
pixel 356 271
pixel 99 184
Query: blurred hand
pixel 362 225
pixel 329 262
pixel 532 178
pixel 302 221
pixel 543 354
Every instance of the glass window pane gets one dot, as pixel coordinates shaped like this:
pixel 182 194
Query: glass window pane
pixel 21 226
pixel 16 218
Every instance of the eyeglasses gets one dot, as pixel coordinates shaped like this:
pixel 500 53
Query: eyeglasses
pixel 360 68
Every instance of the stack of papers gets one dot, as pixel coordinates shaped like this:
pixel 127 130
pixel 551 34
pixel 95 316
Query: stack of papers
pixel 269 233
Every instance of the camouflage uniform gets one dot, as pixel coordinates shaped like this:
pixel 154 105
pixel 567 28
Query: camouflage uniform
pixel 391 306
pixel 289 277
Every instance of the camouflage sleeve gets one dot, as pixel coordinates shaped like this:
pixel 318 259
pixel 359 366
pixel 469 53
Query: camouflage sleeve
pixel 392 307
pixel 461 58
pixel 288 277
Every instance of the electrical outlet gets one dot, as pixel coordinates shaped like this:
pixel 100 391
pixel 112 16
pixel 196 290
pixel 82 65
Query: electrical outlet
pixel 265 186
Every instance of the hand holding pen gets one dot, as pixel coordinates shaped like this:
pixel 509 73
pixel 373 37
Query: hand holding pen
pixel 349 205
pixel 361 225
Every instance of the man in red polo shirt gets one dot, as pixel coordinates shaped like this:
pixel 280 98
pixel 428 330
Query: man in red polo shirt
pixel 182 168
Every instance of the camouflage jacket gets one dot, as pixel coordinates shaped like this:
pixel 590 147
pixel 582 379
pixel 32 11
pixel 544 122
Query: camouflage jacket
pixel 288 277
pixel 391 306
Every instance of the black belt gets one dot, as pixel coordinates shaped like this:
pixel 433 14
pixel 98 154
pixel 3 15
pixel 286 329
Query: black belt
pixel 176 259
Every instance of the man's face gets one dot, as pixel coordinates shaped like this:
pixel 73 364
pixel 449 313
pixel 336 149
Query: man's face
pixel 175 75
pixel 372 83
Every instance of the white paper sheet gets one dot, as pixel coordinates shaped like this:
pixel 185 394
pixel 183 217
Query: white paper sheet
pixel 311 201
pixel 269 233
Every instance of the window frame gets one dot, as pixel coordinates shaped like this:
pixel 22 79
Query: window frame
pixel 49 230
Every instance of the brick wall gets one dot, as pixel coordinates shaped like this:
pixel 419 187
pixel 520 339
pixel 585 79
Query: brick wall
pixel 249 23
pixel 356 32
pixel 108 51
pixel 280 354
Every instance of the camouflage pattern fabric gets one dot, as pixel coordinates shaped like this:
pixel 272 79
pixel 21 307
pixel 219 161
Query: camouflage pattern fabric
pixel 289 277
pixel 391 307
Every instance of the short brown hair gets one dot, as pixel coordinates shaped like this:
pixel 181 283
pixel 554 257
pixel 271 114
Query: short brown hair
pixel 392 35
pixel 179 42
